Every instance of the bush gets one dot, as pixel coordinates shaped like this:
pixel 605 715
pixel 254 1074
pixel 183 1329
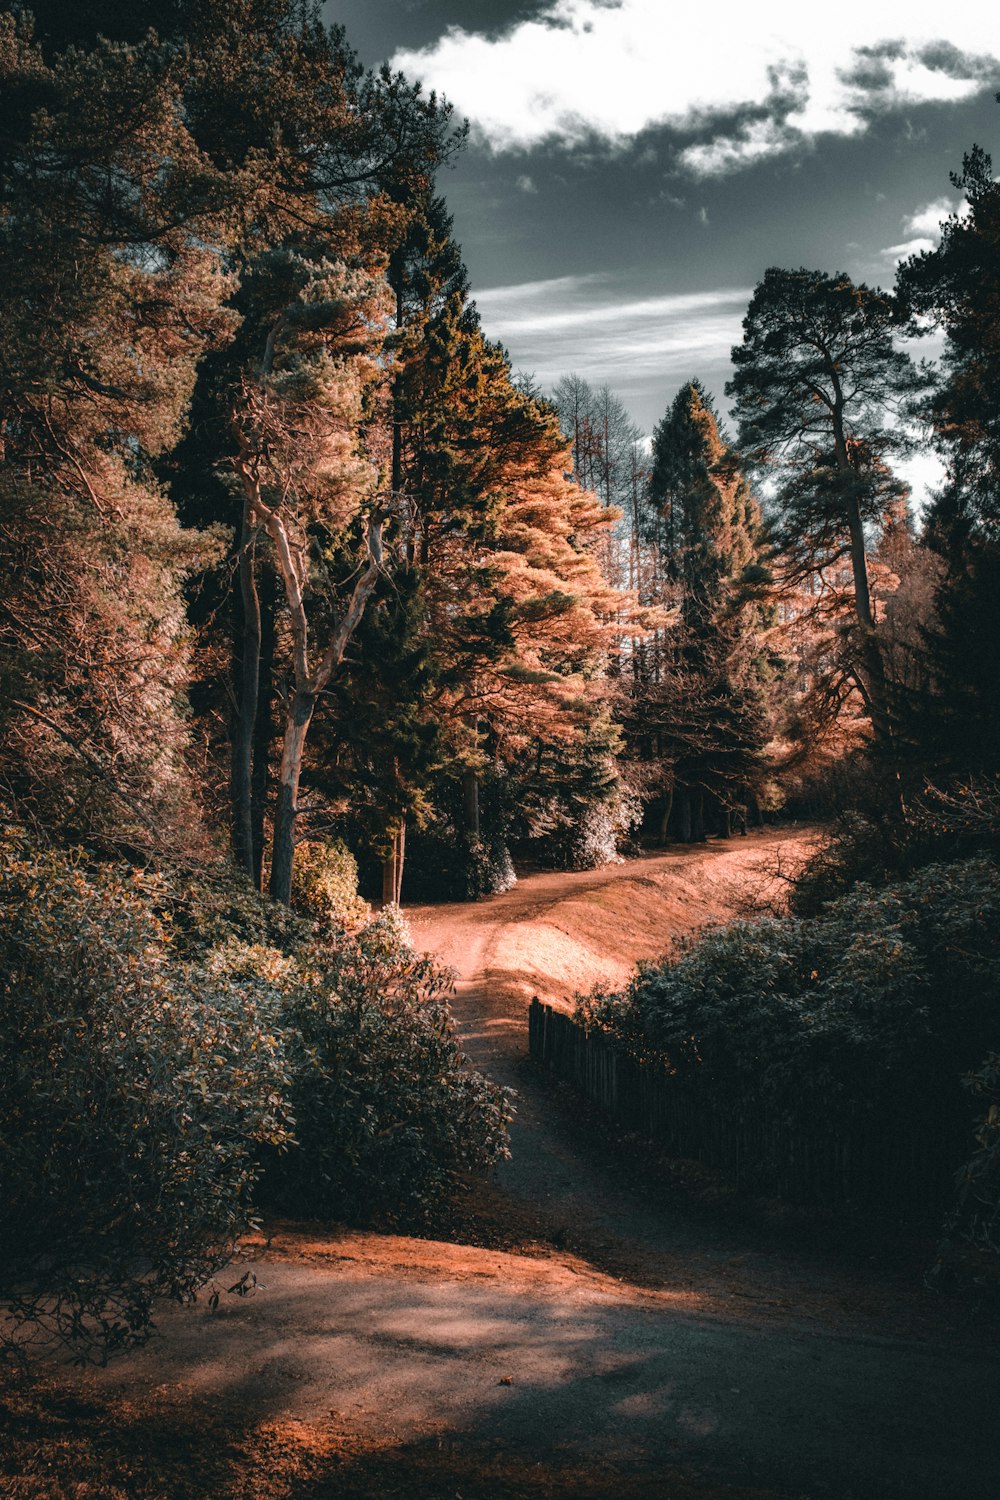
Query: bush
pixel 388 1116
pixel 977 1215
pixel 445 861
pixel 868 843
pixel 865 1016
pixel 135 1093
pixel 325 884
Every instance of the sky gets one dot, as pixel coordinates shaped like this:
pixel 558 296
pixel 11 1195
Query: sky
pixel 634 166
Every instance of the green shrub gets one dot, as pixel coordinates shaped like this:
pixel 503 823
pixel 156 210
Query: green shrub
pixel 212 906
pixel 864 1016
pixel 326 884
pixel 875 844
pixel 135 1093
pixel 977 1215
pixel 388 1116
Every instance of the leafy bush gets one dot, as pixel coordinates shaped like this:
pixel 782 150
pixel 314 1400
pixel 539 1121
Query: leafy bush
pixel 388 1117
pixel 215 905
pixel 873 844
pixel 445 861
pixel 977 1215
pixel 135 1093
pixel 864 1016
pixel 326 884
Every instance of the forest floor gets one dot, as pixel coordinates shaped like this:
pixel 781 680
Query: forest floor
pixel 595 1322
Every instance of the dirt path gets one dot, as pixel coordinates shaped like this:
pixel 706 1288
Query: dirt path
pixel 615 1331
pixel 569 1185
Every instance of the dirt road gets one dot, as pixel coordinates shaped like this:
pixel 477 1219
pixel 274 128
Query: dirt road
pixel 615 1331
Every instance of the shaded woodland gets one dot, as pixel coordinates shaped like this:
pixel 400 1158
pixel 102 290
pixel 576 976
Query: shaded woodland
pixel 310 603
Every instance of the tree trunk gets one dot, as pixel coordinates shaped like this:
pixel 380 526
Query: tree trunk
pixel 263 733
pixel 683 803
pixel 297 721
pixel 871 655
pixel 697 815
pixel 400 858
pixel 665 820
pixel 392 867
pixel 874 684
pixel 247 653
pixel 470 801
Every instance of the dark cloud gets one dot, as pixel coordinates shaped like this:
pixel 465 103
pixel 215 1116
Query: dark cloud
pixel 378 28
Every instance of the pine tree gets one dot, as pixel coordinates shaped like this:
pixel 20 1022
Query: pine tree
pixel 956 289
pixel 112 293
pixel 819 384
pixel 702 713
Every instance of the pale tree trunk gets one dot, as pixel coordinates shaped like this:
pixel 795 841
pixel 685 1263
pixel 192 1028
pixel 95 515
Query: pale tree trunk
pixel 392 868
pixel 263 729
pixel 247 687
pixel 470 801
pixel 308 681
pixel 872 679
pixel 665 820
pixel 297 720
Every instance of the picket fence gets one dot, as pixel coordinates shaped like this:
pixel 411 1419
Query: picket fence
pixel 897 1169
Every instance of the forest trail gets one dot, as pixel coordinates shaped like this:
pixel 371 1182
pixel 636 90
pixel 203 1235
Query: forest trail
pixel 610 1330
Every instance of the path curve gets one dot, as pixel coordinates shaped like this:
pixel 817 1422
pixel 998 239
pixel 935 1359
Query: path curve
pixel 629 1343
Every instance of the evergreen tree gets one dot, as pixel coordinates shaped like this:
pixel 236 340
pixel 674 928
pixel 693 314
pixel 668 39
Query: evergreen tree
pixel 701 712
pixel 113 292
pixel 818 387
pixel 954 723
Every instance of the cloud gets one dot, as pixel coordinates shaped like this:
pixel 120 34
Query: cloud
pixel 924 227
pixel 582 71
pixel 596 328
pixel 895 253
pixel 525 184
pixel 928 220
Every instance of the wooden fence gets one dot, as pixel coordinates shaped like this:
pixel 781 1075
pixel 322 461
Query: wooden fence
pixel 899 1169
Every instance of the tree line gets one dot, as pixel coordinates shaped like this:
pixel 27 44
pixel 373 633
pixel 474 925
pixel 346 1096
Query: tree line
pixel 290 552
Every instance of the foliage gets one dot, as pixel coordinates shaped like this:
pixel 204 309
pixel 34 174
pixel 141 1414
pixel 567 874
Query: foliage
pixel 871 842
pixel 448 863
pixel 576 808
pixel 326 884
pixel 977 1217
pixel 864 1015
pixel 215 904
pixel 135 1093
pixel 596 834
pixel 818 390
pixel 957 288
pixel 388 1115
pixel 112 291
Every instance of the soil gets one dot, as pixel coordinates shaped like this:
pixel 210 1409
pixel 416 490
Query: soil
pixel 594 1322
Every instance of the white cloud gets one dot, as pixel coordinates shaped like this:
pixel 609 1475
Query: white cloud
pixel 924 227
pixel 525 184
pixel 928 220
pixel 763 81
pixel 895 253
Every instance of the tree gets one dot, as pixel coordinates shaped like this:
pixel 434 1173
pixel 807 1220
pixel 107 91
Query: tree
pixel 820 391
pixel 955 722
pixel 326 158
pixel 701 710
pixel 313 478
pixel 112 293
pixel 605 448
pixel 957 288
